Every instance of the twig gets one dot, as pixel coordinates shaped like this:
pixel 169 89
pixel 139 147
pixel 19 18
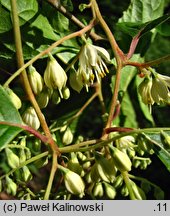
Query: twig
pixel 75 20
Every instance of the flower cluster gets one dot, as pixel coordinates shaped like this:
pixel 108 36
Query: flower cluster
pixel 154 87
pixel 91 65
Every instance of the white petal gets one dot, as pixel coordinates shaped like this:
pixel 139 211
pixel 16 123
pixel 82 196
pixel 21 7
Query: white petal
pixel 166 79
pixel 102 52
pixel 91 54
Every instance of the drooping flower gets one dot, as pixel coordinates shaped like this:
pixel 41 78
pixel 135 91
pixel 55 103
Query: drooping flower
pixel 145 90
pixel 154 88
pixel 159 91
pixel 91 64
pixel 54 75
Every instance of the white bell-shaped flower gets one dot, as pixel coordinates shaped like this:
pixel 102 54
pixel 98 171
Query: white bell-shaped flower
pixel 54 75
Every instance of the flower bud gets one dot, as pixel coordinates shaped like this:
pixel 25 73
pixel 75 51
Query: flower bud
pixel 144 144
pixel 143 165
pixel 36 146
pixel 138 192
pixel 121 159
pixel 11 187
pixel 14 98
pixel 106 168
pixel 28 197
pixel 13 159
pixel 66 92
pixel 54 75
pixel 23 142
pixel 75 81
pixel 124 191
pixel 165 138
pixel 98 190
pixel 136 163
pixel 22 156
pixel 118 181
pixel 26 174
pixel 131 152
pixel 30 118
pixel 74 164
pixel 73 181
pixel 35 79
pixel 67 137
pixel 88 178
pixel 81 156
pixel 55 97
pixel 43 98
pixel 94 174
pixel 110 191
pixel 86 165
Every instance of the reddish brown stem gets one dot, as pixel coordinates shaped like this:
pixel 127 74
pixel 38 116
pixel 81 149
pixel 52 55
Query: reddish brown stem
pixel 117 129
pixel 43 138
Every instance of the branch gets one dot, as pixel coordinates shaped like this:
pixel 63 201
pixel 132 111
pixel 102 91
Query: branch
pixel 24 77
pixel 66 13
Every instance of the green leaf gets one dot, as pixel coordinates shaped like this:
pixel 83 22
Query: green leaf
pixel 26 9
pixel 43 25
pixel 142 11
pixel 128 73
pixel 60 23
pixel 164 28
pixel 128 115
pixel 8 113
pixel 141 29
pixel 5 21
pixel 160 151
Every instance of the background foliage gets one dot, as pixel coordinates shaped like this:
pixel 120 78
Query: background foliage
pixel 41 25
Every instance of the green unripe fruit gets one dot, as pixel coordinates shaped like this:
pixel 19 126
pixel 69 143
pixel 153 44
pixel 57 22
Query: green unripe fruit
pixel 121 159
